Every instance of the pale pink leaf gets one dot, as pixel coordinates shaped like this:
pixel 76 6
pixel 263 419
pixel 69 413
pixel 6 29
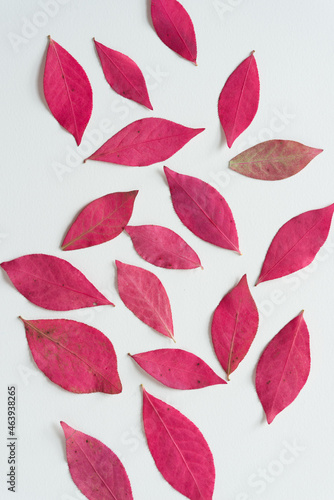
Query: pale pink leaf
pixel 95 469
pixel 162 247
pixel 203 210
pixel 284 367
pixel 52 283
pixel 67 90
pixel 179 449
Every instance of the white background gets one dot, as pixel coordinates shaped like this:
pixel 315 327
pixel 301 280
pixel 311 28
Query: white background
pixel 44 184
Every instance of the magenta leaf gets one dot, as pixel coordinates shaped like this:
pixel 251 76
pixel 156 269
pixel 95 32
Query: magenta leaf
pixel 284 367
pixel 234 326
pixel 144 294
pixel 179 449
pixel 67 90
pixel 52 283
pixel 273 160
pixel 123 75
pixel 145 142
pixel 177 369
pixel 100 221
pixel 296 243
pixel 203 210
pixel 162 247
pixel 239 99
pixel 174 27
pixel 75 356
pixel 95 469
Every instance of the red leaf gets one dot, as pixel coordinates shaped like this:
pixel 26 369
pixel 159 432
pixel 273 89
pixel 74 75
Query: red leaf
pixel 203 210
pixel 177 369
pixel 162 247
pixel 144 294
pixel 284 367
pixel 179 449
pixel 273 160
pixel 100 221
pixel 297 243
pixel 95 469
pixel 239 99
pixel 174 27
pixel 52 283
pixel 73 355
pixel 234 326
pixel 67 90
pixel 145 142
pixel 123 75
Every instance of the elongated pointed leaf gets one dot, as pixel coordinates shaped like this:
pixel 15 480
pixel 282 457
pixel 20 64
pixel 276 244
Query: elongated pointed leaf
pixel 144 294
pixel 174 27
pixel 273 160
pixel 100 221
pixel 73 355
pixel 203 210
pixel 52 283
pixel 67 90
pixel 95 469
pixel 234 326
pixel 284 367
pixel 296 244
pixel 145 142
pixel 123 75
pixel 162 247
pixel 239 99
pixel 179 449
pixel 177 369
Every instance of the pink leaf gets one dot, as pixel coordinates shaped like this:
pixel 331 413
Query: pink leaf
pixel 73 355
pixel 162 247
pixel 143 293
pixel 52 283
pixel 234 326
pixel 145 142
pixel 177 369
pixel 239 99
pixel 67 90
pixel 179 449
pixel 123 75
pixel 297 243
pixel 284 367
pixel 203 210
pixel 174 27
pixel 273 160
pixel 100 221
pixel 95 469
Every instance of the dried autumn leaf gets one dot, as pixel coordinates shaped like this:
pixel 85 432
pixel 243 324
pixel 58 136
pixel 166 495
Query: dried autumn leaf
pixel 75 356
pixel 100 221
pixel 273 160
pixel 162 247
pixel 177 369
pixel 179 449
pixel 234 326
pixel 145 142
pixel 95 469
pixel 67 90
pixel 203 210
pixel 296 243
pixel 144 294
pixel 174 27
pixel 284 367
pixel 123 75
pixel 239 99
pixel 52 283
